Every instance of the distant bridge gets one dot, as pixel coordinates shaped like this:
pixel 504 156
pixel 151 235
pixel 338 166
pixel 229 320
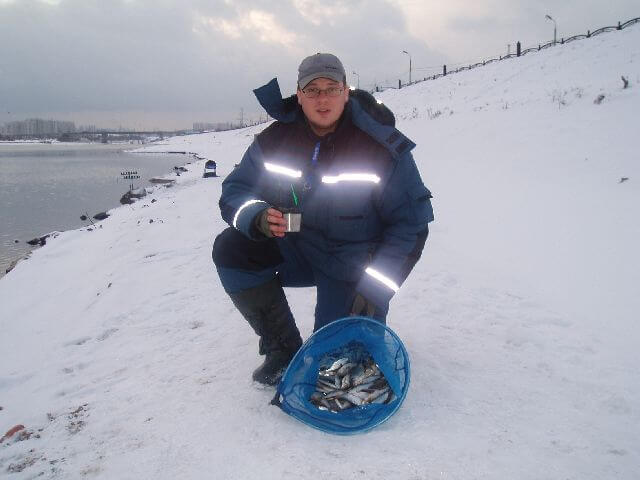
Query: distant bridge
pixel 104 134
pixel 133 132
pixel 159 133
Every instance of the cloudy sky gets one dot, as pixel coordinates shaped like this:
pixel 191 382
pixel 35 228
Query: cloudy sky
pixel 169 63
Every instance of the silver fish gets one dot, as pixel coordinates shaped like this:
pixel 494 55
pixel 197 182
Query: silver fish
pixel 364 378
pixel 352 398
pixel 346 368
pixel 337 364
pixel 375 394
pixel 348 384
pixel 334 394
pixel 363 386
pixel 384 398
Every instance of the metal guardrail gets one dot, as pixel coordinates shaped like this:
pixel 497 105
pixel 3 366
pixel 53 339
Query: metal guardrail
pixel 529 50
pixel 602 30
pixel 519 53
pixel 630 22
pixel 575 37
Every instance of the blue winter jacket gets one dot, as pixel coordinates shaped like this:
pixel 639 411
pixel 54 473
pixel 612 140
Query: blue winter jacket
pixel 364 207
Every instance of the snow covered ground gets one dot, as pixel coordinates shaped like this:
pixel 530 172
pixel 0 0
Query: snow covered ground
pixel 123 357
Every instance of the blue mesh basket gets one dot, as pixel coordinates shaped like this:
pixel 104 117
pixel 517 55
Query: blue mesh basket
pixel 358 335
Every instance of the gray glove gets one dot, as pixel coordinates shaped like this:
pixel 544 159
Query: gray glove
pixel 362 306
pixel 261 223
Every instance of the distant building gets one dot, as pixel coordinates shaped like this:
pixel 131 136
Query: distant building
pixel 37 126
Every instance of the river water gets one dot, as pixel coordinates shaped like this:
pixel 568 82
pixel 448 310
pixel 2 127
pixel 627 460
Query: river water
pixel 47 187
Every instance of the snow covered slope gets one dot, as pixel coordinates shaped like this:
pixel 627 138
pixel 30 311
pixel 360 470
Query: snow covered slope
pixel 123 357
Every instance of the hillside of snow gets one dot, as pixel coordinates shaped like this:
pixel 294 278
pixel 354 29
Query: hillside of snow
pixel 123 358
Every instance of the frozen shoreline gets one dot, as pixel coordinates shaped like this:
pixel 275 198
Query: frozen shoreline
pixel 76 146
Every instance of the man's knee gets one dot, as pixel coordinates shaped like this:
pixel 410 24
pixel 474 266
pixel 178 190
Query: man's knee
pixel 231 249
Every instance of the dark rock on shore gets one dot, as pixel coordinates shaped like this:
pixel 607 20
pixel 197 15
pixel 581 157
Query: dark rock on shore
pixel 132 195
pixel 101 216
pixel 39 240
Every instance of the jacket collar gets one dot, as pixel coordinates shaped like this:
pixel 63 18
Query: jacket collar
pixel 376 120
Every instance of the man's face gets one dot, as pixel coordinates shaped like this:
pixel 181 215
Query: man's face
pixel 324 111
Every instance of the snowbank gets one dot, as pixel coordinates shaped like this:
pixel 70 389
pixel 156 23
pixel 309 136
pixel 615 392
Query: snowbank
pixel 123 357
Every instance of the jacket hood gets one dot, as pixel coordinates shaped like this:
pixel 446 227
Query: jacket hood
pixel 373 118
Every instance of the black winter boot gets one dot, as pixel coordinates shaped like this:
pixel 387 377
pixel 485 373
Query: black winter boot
pixel 266 309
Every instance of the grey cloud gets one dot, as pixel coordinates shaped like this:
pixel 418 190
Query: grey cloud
pixel 144 55
pixel 81 55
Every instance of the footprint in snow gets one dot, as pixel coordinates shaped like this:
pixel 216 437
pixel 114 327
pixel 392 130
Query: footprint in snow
pixel 106 334
pixel 616 405
pixel 78 341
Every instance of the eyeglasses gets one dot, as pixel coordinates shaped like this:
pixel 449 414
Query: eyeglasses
pixel 313 92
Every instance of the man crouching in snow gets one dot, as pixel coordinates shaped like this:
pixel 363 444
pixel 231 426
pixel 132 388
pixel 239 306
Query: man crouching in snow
pixel 335 158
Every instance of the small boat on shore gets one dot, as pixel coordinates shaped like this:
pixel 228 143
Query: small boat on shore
pixel 210 169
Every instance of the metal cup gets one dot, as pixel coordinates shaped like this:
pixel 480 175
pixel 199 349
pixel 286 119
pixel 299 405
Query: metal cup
pixel 293 217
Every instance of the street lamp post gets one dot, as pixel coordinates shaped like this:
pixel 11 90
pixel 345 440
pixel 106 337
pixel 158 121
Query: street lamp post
pixel 358 78
pixel 404 51
pixel 555 28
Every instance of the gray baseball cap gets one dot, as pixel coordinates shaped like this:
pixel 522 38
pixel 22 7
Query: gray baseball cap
pixel 320 65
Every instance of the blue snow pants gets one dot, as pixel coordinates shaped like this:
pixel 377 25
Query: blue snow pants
pixel 243 263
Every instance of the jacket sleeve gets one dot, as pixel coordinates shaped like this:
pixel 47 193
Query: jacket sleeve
pixel 240 201
pixel 405 209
